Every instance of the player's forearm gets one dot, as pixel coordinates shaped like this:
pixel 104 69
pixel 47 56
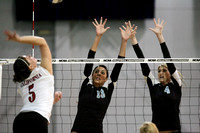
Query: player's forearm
pixel 122 51
pixel 32 40
pixel 134 41
pixel 95 43
pixel 160 38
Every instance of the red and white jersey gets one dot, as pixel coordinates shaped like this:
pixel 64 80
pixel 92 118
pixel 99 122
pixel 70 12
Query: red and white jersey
pixel 37 92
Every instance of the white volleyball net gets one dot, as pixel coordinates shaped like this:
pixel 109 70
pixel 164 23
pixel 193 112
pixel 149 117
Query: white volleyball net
pixel 130 104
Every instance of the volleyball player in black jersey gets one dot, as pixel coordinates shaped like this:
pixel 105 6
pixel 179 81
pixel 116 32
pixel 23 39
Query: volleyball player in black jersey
pixel 166 93
pixel 94 98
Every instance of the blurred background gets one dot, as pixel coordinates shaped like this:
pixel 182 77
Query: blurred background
pixel 69 31
pixel 68 26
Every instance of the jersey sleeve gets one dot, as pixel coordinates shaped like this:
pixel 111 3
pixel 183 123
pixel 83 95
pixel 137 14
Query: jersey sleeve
pixel 166 54
pixel 176 79
pixel 116 70
pixel 83 86
pixel 110 90
pixel 171 66
pixel 89 66
pixel 144 66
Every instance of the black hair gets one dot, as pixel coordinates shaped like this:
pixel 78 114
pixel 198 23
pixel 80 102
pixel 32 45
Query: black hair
pixel 103 67
pixel 21 69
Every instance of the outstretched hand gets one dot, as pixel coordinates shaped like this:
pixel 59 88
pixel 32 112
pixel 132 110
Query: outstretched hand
pixel 159 25
pixel 133 30
pixel 100 27
pixel 11 35
pixel 126 31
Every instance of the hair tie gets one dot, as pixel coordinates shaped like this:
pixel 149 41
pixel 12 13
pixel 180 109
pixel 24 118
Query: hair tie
pixel 23 61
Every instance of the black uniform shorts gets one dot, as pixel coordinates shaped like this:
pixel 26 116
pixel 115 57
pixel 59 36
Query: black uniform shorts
pixel 30 122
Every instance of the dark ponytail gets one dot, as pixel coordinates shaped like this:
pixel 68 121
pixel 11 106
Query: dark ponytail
pixel 21 69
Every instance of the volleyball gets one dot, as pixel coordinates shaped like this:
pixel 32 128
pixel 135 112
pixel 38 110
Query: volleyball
pixel 55 1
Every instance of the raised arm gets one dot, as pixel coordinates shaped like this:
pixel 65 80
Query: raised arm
pixel 46 61
pixel 158 30
pixel 125 35
pixel 138 51
pixel 100 30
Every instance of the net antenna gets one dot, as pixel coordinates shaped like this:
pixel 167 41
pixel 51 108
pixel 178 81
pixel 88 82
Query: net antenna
pixel 33 27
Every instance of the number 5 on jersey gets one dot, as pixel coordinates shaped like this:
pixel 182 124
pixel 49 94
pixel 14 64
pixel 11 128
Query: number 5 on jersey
pixel 32 96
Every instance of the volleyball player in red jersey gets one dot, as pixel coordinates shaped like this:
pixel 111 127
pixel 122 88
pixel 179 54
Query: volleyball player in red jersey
pixel 166 93
pixel 94 98
pixel 35 85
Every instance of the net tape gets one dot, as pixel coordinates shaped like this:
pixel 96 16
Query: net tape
pixel 112 60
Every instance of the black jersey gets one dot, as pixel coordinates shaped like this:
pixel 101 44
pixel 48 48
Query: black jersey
pixel 93 102
pixel 165 100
